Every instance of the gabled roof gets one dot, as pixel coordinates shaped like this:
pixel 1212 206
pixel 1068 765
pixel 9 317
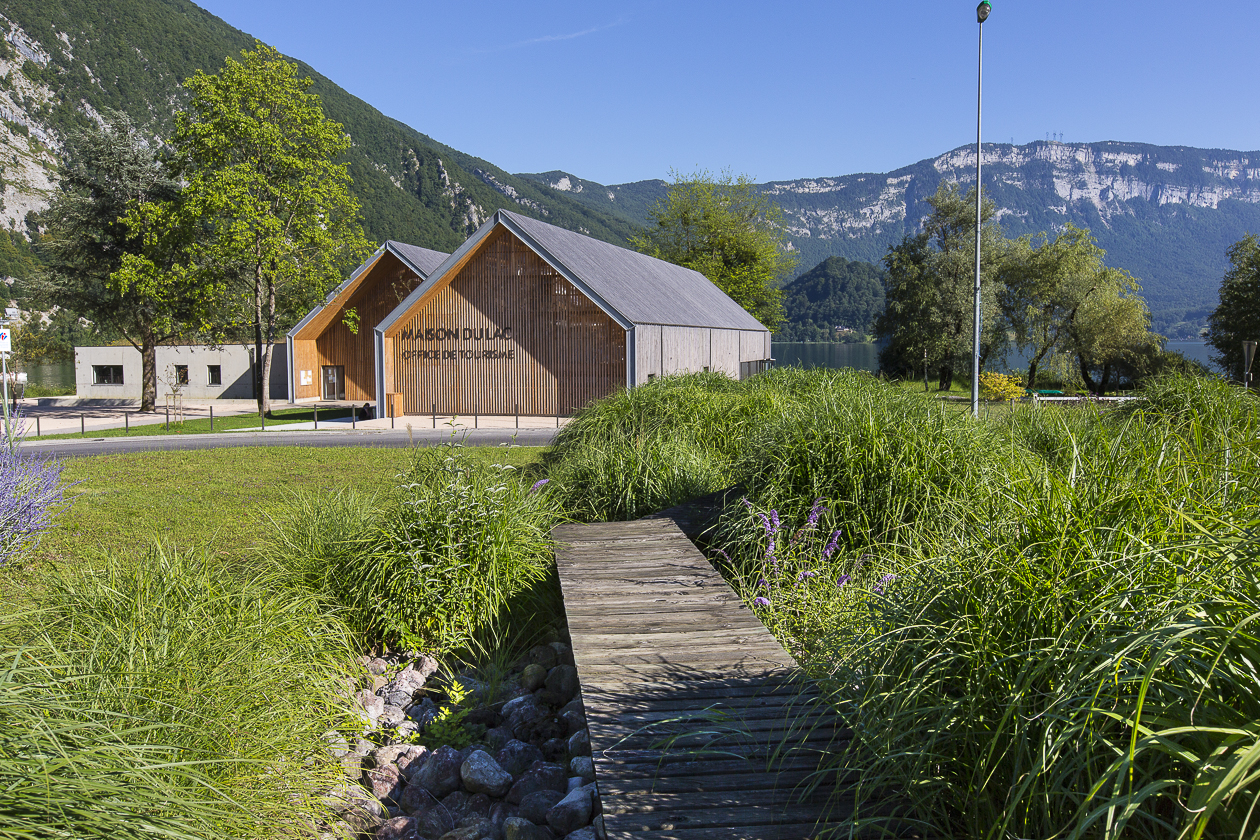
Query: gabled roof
pixel 420 260
pixel 632 288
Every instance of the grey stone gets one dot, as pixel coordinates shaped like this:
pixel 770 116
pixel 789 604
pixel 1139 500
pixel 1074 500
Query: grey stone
pixel 563 654
pixel 598 825
pixel 572 720
pixel 371 705
pixel 394 697
pixel 482 774
pixel 555 748
pixel 416 800
pixel 583 767
pixel 517 756
pixel 580 743
pixel 390 716
pixel 576 782
pixel 500 811
pixel 397 828
pixel 406 729
pixel 337 744
pixel 433 823
pixel 412 759
pixel 423 667
pixel 469 832
pixel 377 666
pixel 516 828
pixel 424 712
pixel 522 714
pixel 575 705
pixel 440 774
pixel 497 737
pixel 363 746
pixel 587 833
pixel 572 812
pixel 352 765
pixel 561 685
pixel 540 776
pixel 385 783
pixel 533 677
pixel 535 806
pixel 543 655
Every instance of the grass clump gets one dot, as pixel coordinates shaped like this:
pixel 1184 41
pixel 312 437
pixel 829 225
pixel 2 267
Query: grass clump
pixel 430 568
pixel 170 696
pixel 1042 624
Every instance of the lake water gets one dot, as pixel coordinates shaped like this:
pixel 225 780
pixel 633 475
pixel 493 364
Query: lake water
pixel 57 374
pixel 866 356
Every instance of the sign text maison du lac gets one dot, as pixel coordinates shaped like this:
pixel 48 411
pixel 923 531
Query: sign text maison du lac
pixel 448 335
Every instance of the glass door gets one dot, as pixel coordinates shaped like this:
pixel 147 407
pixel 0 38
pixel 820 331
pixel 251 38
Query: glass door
pixel 335 382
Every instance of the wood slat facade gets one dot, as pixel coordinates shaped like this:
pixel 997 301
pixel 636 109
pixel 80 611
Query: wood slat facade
pixel 326 340
pixel 506 333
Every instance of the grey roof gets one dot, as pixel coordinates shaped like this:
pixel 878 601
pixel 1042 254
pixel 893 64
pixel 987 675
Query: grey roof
pixel 643 289
pixel 632 288
pixel 420 260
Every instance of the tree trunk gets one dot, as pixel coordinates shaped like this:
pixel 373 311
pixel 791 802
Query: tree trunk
pixel 1032 375
pixel 259 390
pixel 945 377
pixel 1090 385
pixel 148 372
pixel 266 357
pixel 1106 379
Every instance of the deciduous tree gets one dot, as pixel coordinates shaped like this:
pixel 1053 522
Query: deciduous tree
pixel 1237 317
pixel 263 174
pixel 108 172
pixel 726 229
pixel 928 316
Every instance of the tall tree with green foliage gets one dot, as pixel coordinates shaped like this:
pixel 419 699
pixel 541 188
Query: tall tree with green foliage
pixel 109 171
pixel 835 293
pixel 264 175
pixel 726 229
pixel 1111 329
pixel 1237 318
pixel 928 316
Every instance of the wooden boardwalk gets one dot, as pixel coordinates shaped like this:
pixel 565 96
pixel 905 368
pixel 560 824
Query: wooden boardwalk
pixel 701 725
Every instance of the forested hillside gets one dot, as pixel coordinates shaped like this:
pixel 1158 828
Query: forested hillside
pixel 836 300
pixel 66 61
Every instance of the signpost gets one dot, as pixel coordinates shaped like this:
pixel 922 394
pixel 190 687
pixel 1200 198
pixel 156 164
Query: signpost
pixel 1249 356
pixel 6 347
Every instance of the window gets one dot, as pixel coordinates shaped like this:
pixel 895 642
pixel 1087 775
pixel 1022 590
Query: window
pixel 107 375
pixel 214 375
pixel 747 369
pixel 181 374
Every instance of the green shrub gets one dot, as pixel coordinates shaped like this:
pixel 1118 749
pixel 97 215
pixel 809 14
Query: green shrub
pixel 434 565
pixel 175 692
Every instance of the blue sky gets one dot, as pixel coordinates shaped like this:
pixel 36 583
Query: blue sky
pixel 619 92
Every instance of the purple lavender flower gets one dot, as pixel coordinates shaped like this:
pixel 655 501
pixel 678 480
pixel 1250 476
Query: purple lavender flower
pixel 816 511
pixel 744 501
pixel 770 558
pixel 774 518
pixel 761 602
pixel 804 576
pixel 725 556
pixel 884 581
pixel 842 580
pixel 539 483
pixel 765 523
pixel 831 546
pixel 764 584
pixel 29 496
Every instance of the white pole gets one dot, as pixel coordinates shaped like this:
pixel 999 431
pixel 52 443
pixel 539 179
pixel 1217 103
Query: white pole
pixel 4 371
pixel 975 346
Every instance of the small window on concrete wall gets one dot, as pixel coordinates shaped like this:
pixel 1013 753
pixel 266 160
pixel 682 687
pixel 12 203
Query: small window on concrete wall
pixel 181 374
pixel 214 375
pixel 107 375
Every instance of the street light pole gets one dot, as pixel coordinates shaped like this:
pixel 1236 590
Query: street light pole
pixel 1249 355
pixel 982 14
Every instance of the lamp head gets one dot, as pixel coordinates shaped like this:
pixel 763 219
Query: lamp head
pixel 982 11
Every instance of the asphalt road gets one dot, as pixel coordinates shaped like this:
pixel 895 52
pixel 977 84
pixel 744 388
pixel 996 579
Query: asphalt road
pixel 386 439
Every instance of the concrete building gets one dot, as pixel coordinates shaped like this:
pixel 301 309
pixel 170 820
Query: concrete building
pixel 197 372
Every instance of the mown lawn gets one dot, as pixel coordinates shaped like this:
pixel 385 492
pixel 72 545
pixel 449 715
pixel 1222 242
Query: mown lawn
pixel 217 498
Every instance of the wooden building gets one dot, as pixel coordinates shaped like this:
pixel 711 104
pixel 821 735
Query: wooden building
pixel 330 350
pixel 529 317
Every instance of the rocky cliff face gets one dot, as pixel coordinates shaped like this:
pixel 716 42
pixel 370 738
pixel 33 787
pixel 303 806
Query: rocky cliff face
pixel 1166 214
pixel 28 146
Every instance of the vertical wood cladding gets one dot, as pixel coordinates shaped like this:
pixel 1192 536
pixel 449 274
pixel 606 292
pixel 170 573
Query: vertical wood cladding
pixel 507 331
pixel 383 287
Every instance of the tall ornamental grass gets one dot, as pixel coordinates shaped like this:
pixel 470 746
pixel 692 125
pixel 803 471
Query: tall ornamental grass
pixel 432 567
pixel 168 696
pixel 1040 625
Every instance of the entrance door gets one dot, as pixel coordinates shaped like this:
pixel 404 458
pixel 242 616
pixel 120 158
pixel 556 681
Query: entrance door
pixel 335 382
